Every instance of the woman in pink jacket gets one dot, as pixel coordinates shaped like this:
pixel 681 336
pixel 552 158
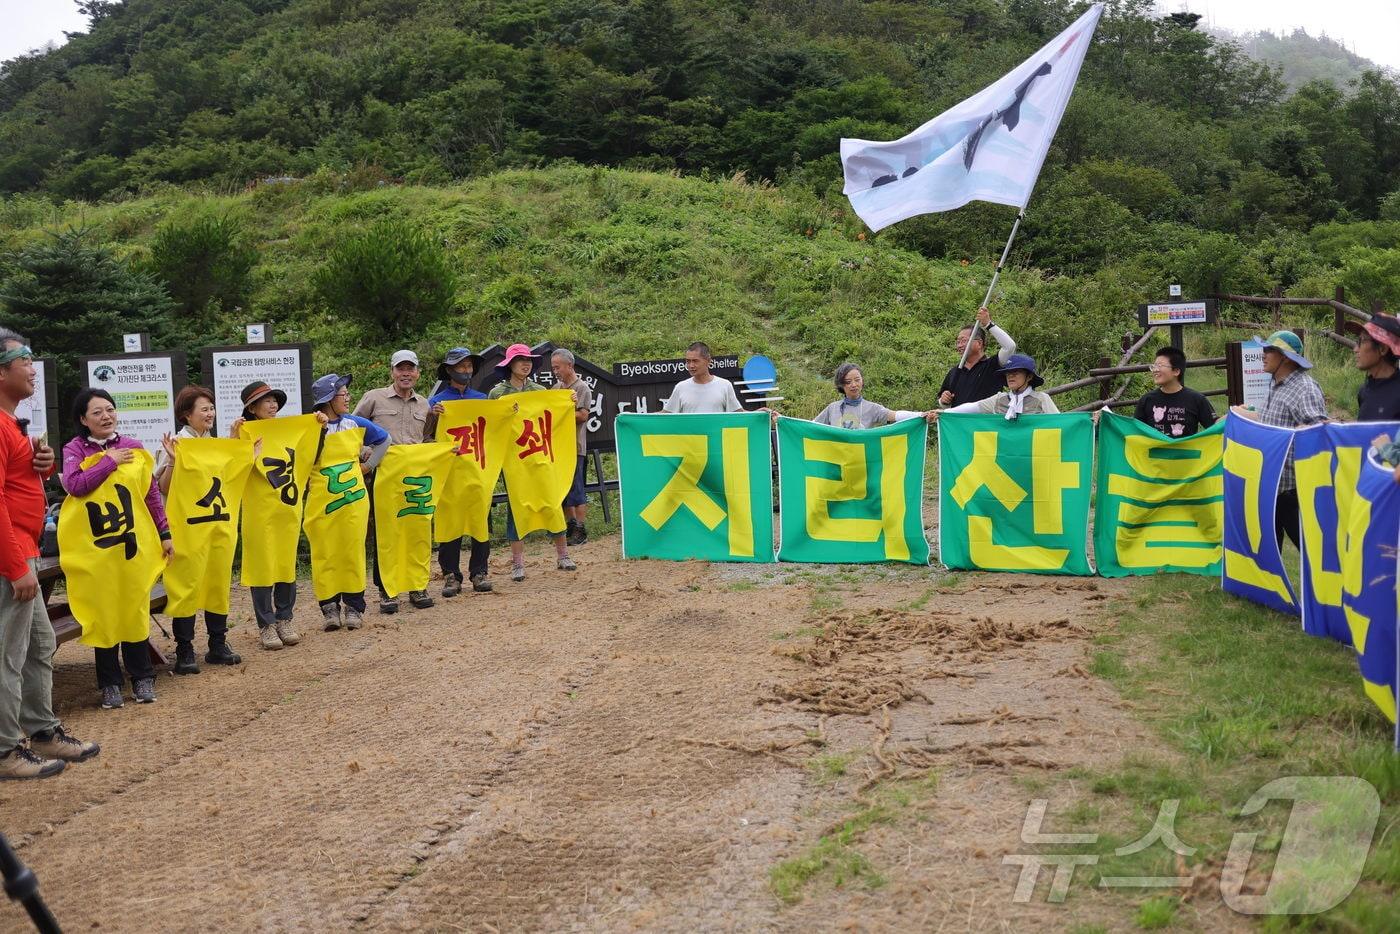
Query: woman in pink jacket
pixel 96 415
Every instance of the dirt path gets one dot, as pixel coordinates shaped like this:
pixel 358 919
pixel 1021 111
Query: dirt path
pixel 600 751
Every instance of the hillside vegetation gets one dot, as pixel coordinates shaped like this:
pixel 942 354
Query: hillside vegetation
pixel 626 176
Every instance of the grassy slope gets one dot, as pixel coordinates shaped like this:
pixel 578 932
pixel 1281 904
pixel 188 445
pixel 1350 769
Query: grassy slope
pixel 624 265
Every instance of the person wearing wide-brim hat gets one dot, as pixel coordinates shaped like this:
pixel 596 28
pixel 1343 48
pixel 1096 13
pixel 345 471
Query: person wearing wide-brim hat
pixel 1022 395
pixel 455 373
pixel 517 366
pixel 330 394
pixel 1295 400
pixel 1377 350
pixel 273 605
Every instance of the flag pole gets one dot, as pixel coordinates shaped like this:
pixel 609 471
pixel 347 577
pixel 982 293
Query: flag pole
pixel 1006 251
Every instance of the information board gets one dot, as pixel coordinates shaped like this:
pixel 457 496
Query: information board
pixel 143 386
pixel 1248 382
pixel 1161 314
pixel 228 369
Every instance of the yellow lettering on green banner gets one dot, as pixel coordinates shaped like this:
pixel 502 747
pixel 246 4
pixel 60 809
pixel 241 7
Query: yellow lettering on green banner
pixel 1314 474
pixel 683 489
pixel 894 451
pixel 1138 450
pixel 988 554
pixel 849 457
pixel 1247 463
pixel 1050 477
pixel 734 446
pixel 1246 570
pixel 1155 543
pixel 1146 492
pixel 983 470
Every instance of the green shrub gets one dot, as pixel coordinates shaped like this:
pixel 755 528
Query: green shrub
pixel 391 277
pixel 202 261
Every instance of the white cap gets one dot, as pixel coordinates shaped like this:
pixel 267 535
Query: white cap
pixel 403 356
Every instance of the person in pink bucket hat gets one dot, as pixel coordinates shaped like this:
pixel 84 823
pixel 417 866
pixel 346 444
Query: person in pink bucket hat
pixel 516 368
pixel 1377 350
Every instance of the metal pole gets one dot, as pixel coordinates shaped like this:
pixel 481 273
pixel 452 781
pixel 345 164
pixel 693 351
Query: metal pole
pixel 996 274
pixel 22 886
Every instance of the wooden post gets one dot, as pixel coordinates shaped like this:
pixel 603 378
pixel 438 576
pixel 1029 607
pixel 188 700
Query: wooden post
pixel 1376 306
pixel 1278 309
pixel 1339 317
pixel 1107 362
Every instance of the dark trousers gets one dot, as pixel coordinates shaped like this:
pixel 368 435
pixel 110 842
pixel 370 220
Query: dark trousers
pixel 137 656
pixel 352 601
pixel 450 557
pixel 1286 518
pixel 274 604
pixel 372 540
pixel 215 623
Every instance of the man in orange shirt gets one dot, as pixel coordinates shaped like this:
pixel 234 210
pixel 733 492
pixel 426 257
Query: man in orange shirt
pixel 26 637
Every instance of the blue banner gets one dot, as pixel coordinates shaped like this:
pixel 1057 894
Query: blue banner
pixel 1254 459
pixel 1369 590
pixel 1328 461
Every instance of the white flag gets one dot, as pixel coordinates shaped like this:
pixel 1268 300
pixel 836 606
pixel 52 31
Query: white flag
pixel 988 148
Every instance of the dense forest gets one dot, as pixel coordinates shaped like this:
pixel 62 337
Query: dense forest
pixel 177 156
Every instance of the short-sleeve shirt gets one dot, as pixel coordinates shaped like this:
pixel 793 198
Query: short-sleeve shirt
pixel 1175 414
pixel 583 403
pixel 973 384
pixel 711 397
pixel 404 419
pixel 863 414
pixel 1378 400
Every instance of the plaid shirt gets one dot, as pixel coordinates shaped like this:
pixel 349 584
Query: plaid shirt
pixel 1294 402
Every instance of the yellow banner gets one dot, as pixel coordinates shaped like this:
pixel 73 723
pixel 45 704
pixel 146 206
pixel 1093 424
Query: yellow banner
pixel 408 486
pixel 337 516
pixel 206 495
pixel 274 496
pixel 110 554
pixel 540 458
pixel 479 431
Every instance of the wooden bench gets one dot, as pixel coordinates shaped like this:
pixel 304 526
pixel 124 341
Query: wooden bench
pixel 65 627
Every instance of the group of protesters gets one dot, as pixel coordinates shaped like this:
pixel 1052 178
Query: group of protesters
pixel 33 743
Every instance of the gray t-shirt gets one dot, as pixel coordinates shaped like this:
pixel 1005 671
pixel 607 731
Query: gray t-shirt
pixel 715 396
pixel 864 414
pixel 584 401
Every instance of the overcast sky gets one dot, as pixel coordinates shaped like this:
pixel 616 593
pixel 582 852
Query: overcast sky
pixel 1371 27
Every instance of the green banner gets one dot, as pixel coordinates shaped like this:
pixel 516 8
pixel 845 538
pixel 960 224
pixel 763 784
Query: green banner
pixel 852 495
pixel 696 486
pixel 1160 504
pixel 1014 494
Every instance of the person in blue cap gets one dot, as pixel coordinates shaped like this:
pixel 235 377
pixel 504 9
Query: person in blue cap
pixel 331 396
pixel 1295 400
pixel 1022 395
pixel 455 374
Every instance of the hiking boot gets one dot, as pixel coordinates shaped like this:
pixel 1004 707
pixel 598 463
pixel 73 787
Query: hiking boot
pixel 112 697
pixel 20 763
pixel 567 564
pixel 481 583
pixel 221 654
pixel 287 632
pixel 59 744
pixel 579 535
pixel 451 585
pixel 269 638
pixel 144 690
pixel 353 620
pixel 331 614
pixel 517 572
pixel 185 663
pixel 420 599
pixel 388 605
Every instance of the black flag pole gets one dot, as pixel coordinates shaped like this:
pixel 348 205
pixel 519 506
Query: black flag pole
pixel 996 274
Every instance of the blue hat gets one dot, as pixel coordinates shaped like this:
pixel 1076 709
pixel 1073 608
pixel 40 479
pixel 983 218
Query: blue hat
pixel 325 388
pixel 1288 344
pixel 1020 361
pixel 455 356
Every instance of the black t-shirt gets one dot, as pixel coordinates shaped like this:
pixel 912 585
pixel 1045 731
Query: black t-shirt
pixel 1378 400
pixel 1175 414
pixel 979 382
